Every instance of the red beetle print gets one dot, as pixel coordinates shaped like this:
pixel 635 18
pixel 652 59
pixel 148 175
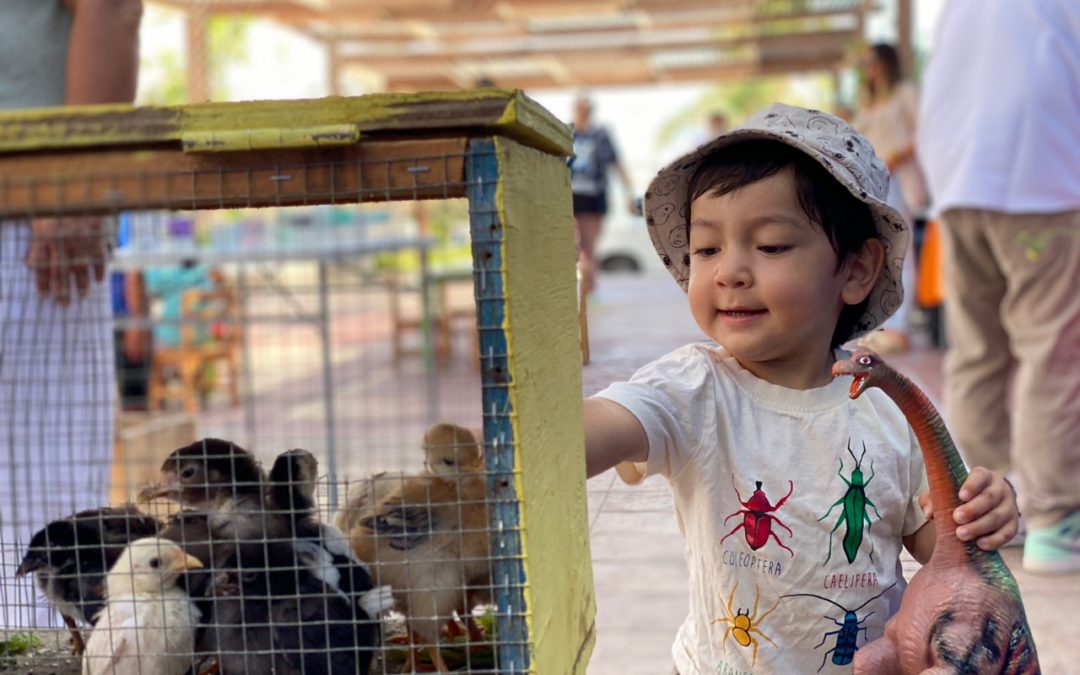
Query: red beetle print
pixel 758 519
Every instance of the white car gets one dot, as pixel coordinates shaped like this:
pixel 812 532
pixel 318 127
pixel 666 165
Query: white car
pixel 624 244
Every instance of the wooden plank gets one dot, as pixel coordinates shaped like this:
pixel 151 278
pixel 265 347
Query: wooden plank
pixel 599 76
pixel 85 182
pixel 607 49
pixel 533 249
pixel 382 116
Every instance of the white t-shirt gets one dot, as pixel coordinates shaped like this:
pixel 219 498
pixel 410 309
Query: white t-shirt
pixel 718 433
pixel 999 120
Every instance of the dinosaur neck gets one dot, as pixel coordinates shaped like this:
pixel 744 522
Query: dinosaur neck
pixel 945 470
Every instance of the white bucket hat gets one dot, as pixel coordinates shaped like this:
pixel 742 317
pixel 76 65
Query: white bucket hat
pixel 833 143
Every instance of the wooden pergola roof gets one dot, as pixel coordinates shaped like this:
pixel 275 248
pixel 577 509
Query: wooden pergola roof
pixel 450 44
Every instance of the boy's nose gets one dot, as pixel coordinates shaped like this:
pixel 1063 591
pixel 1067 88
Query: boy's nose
pixel 732 274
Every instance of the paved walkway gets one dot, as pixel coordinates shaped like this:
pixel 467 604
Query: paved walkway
pixel 637 550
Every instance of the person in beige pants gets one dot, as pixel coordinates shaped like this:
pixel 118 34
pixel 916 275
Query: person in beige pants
pixel 1013 318
pixel 999 140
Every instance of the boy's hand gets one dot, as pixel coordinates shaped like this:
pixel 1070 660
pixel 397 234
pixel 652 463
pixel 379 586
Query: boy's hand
pixel 989 515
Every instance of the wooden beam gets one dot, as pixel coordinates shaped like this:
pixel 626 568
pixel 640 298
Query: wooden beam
pixel 196 67
pixel 457 29
pixel 600 76
pixel 904 31
pixel 586 48
pixel 377 116
pixel 104 182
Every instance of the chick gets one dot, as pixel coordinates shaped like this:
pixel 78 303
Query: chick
pixel 322 547
pixel 223 480
pixel 70 557
pixel 429 540
pixel 271 615
pixel 210 474
pixel 148 624
pixel 448 451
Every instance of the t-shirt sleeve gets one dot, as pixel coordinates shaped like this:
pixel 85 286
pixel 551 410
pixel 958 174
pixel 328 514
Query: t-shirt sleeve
pixel 674 401
pixel 914 518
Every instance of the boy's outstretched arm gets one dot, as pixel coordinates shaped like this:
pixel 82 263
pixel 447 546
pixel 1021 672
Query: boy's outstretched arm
pixel 612 435
pixel 989 515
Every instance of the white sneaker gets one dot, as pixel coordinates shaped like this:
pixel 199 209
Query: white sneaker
pixel 1054 549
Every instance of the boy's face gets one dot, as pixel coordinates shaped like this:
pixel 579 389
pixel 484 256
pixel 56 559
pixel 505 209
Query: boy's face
pixel 764 281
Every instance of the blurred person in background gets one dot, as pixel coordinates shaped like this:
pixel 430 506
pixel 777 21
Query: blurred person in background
pixel 887 115
pixel 594 156
pixel 57 377
pixel 999 139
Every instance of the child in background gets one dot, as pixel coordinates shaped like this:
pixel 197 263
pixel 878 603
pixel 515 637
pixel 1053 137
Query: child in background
pixel 780 234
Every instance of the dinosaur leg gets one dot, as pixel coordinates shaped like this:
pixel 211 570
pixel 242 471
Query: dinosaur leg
pixel 880 657
pixel 77 644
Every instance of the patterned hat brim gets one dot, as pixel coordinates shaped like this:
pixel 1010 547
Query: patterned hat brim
pixel 667 213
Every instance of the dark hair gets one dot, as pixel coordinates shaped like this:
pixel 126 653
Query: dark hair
pixel 846 220
pixel 889 58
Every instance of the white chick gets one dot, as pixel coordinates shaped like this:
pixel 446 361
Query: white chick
pixel 148 624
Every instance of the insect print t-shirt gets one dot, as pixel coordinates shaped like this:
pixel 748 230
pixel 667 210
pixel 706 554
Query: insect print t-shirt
pixel 792 504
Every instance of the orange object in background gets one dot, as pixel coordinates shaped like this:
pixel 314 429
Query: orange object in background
pixel 930 280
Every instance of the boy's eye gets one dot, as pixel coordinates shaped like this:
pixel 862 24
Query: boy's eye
pixel 773 250
pixel 706 251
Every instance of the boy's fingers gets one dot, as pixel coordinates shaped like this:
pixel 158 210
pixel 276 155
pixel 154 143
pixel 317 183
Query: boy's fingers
pixel 925 504
pixel 977 481
pixel 999 536
pixel 981 504
pixel 991 528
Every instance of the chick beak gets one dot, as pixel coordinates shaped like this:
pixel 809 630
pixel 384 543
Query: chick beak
pixel 30 564
pixel 167 487
pixel 191 563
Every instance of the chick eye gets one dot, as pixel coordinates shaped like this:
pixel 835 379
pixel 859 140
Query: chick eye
pixel 865 360
pixel 155 563
pixel 248 577
pixel 188 473
pixel 447 461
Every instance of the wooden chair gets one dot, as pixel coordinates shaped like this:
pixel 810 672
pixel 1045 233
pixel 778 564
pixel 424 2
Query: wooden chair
pixel 447 309
pixel 210 332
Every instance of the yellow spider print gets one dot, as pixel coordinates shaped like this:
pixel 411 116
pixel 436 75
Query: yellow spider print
pixel 743 623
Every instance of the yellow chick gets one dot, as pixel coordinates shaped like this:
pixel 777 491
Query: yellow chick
pixel 148 624
pixel 427 536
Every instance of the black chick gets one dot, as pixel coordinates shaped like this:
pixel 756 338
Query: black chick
pixel 71 556
pixel 222 480
pixel 270 614
pixel 323 548
pixel 208 475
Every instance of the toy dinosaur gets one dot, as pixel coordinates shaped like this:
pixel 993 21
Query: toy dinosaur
pixel 962 611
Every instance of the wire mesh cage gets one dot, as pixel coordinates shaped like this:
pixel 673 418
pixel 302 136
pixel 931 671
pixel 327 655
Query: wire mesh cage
pixel 330 422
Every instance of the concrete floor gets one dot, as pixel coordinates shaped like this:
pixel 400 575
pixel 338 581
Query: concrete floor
pixel 638 563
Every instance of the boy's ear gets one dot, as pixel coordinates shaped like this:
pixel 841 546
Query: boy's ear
pixel 862 270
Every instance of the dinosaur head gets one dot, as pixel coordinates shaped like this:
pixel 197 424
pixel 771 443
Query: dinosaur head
pixel 863 366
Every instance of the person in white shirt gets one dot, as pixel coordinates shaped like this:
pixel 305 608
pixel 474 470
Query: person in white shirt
pixel 999 139
pixel 780 234
pixel 57 371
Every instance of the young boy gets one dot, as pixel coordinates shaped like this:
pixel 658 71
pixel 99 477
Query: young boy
pixel 781 237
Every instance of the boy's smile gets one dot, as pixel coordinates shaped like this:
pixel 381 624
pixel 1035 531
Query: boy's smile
pixel 764 281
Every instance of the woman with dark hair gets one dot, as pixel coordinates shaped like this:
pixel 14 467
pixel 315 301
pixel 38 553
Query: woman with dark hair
pixel 887 117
